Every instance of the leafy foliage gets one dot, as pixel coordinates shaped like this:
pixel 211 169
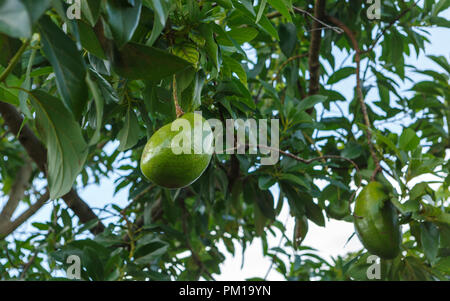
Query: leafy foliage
pixel 84 83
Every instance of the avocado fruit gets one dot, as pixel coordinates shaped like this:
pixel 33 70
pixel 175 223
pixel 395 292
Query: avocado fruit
pixel 171 169
pixel 376 222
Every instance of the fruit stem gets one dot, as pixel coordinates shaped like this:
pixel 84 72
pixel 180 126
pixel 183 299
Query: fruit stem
pixel 178 109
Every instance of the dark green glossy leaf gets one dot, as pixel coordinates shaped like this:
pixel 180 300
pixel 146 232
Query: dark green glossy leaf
pixel 341 74
pixel 66 148
pixel 15 20
pixel 408 141
pixel 136 61
pixel 430 240
pixel 123 19
pixel 91 10
pixel 288 38
pixel 67 64
pixel 129 133
pixel 89 40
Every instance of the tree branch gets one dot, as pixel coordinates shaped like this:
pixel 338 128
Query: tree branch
pixel 284 64
pixel 297 158
pixel 179 110
pixel 36 150
pixel 15 59
pixel 9 227
pixel 359 91
pixel 17 192
pixel 314 48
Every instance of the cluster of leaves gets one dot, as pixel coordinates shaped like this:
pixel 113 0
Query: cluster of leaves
pixel 110 76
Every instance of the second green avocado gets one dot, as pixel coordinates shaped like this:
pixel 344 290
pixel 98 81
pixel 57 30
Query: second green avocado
pixel 376 222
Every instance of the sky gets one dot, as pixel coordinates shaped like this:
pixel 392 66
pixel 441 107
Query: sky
pixel 329 241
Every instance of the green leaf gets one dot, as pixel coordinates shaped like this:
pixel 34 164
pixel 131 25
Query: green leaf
pixel 264 201
pixel 240 35
pixel 136 61
pixel 429 235
pixel 296 205
pixel 191 97
pixel 89 40
pixel 261 10
pixel 148 252
pixel 260 221
pixel 352 150
pixel 288 38
pixel 162 10
pixel 8 97
pixel 129 133
pixel 15 20
pixel 268 27
pixel 310 102
pixel 123 19
pixel 9 47
pixel 313 211
pixel 91 10
pixel 36 8
pixel 66 148
pixel 23 96
pixel 265 182
pixel 187 52
pixel 443 265
pixel 294 179
pixel 99 104
pixel 212 50
pixel 408 141
pixel 282 7
pixel 441 61
pixel 341 74
pixel 428 88
pixel 235 88
pixel 67 64
pixel 236 67
pixel 93 264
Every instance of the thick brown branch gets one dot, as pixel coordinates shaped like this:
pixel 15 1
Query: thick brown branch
pixel 10 227
pixel 17 192
pixel 36 150
pixel 314 48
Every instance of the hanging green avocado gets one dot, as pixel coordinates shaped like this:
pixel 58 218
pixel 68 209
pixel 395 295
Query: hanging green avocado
pixel 376 222
pixel 179 152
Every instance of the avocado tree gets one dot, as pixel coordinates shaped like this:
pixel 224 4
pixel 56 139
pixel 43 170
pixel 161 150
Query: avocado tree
pixel 79 79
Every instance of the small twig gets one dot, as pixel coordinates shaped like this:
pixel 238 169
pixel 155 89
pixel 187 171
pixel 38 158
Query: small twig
pixel 130 233
pixel 277 76
pixel 9 258
pixel 387 27
pixel 27 266
pixel 138 196
pixel 4 135
pixel 302 11
pixel 306 161
pixel 359 92
pixel 279 245
pixel 178 109
pixel 14 61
